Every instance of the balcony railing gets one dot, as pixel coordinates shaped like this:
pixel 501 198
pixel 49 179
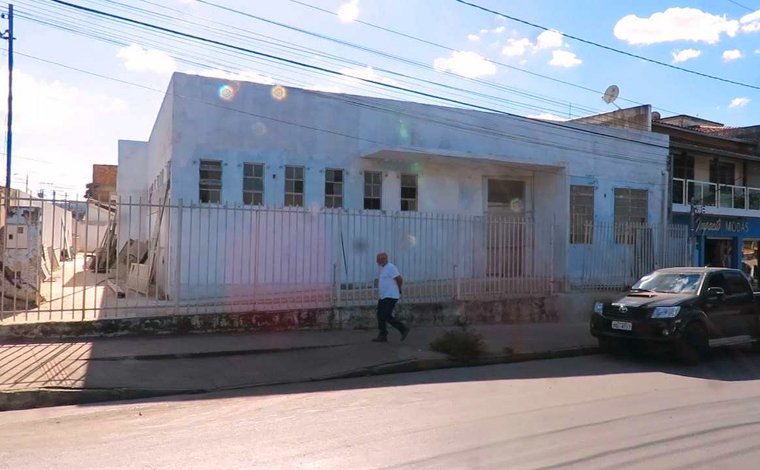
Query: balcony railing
pixel 715 195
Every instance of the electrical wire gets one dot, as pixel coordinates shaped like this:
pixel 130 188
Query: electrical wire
pixel 290 123
pixel 323 69
pixel 451 49
pixel 609 48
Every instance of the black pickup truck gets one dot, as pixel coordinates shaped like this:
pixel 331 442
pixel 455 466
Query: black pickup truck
pixel 691 310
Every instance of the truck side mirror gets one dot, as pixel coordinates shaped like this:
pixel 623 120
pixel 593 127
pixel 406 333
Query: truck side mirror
pixel 715 293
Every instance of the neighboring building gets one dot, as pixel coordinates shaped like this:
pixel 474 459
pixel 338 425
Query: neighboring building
pixel 718 167
pixel 246 146
pixel 103 186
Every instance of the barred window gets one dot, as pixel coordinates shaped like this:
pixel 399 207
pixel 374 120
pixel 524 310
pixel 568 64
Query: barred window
pixel 210 181
pixel 630 213
pixel 373 190
pixel 408 192
pixel 581 214
pixel 253 184
pixel 333 188
pixel 294 187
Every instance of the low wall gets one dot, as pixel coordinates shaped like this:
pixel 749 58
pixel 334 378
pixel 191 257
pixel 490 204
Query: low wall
pixel 561 308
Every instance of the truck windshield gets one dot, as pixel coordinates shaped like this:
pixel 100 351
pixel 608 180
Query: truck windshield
pixel 672 283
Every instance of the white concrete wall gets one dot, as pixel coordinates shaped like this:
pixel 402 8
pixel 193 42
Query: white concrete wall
pixel 195 124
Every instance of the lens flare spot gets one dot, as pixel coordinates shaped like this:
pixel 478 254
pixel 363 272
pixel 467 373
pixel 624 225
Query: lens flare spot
pixel 516 205
pixel 227 92
pixel 259 129
pixel 411 240
pixel 279 92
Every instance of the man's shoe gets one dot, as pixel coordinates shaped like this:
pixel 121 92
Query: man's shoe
pixel 380 339
pixel 405 333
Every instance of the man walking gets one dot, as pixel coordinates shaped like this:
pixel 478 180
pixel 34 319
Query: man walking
pixel 390 291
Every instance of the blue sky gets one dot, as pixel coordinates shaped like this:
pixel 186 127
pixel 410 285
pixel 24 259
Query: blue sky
pixel 67 120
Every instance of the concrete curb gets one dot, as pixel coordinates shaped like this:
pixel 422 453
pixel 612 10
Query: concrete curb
pixel 39 398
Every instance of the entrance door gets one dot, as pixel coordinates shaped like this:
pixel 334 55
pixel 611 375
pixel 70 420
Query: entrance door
pixel 718 252
pixel 505 227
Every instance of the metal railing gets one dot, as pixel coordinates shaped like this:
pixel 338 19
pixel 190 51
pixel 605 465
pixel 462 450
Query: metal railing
pixel 623 253
pixel 156 258
pixel 715 195
pixel 171 258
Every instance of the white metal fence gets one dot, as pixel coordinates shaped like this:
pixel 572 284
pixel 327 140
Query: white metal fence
pixel 614 256
pixel 157 258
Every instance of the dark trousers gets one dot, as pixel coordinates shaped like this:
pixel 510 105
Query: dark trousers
pixel 385 315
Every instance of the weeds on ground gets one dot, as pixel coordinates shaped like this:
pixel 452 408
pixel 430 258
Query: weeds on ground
pixel 460 344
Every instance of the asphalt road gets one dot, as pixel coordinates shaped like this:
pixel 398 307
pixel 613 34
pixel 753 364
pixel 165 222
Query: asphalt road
pixel 586 413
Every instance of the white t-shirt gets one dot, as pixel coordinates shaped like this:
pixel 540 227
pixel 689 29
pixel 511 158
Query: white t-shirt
pixel 387 284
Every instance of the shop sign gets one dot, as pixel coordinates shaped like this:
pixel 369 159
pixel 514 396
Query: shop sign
pixel 718 225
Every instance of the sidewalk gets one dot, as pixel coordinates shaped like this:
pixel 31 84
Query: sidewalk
pixel 162 365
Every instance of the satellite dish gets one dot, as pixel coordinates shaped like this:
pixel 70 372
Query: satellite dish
pixel 611 94
pixel 656 116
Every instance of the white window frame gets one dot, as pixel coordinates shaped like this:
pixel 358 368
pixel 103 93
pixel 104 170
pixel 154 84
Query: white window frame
pixel 339 196
pixel 253 192
pixel 365 184
pixel 415 200
pixel 295 194
pixel 210 183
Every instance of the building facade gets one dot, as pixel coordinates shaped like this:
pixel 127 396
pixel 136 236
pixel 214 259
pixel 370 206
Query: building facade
pixel 252 147
pixel 103 186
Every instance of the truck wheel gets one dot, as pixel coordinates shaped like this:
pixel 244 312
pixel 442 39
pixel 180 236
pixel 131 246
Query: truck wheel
pixel 694 344
pixel 611 346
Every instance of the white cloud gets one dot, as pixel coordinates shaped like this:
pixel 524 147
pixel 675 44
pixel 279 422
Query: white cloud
pixel 732 54
pixel 465 63
pixel 547 117
pixel 675 24
pixel 738 102
pixel 366 73
pixel 349 12
pixel 137 59
pixel 69 127
pixel 483 31
pixel 565 59
pixel 685 54
pixel 757 51
pixel 499 30
pixel 245 76
pixel 473 37
pixel 751 22
pixel 500 18
pixel 516 47
pixel 549 39
pixel 495 44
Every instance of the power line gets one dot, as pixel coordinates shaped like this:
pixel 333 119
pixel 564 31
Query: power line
pixel 451 49
pixel 457 124
pixel 740 5
pixel 282 121
pixel 630 123
pixel 609 48
pixel 332 72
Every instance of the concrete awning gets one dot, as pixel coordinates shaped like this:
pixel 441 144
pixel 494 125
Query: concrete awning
pixel 419 155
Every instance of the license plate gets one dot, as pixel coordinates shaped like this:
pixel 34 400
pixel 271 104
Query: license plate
pixel 622 325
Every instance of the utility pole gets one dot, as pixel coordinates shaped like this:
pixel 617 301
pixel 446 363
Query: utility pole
pixel 9 143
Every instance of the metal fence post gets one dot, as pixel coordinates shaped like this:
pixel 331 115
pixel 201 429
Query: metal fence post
pixel 178 267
